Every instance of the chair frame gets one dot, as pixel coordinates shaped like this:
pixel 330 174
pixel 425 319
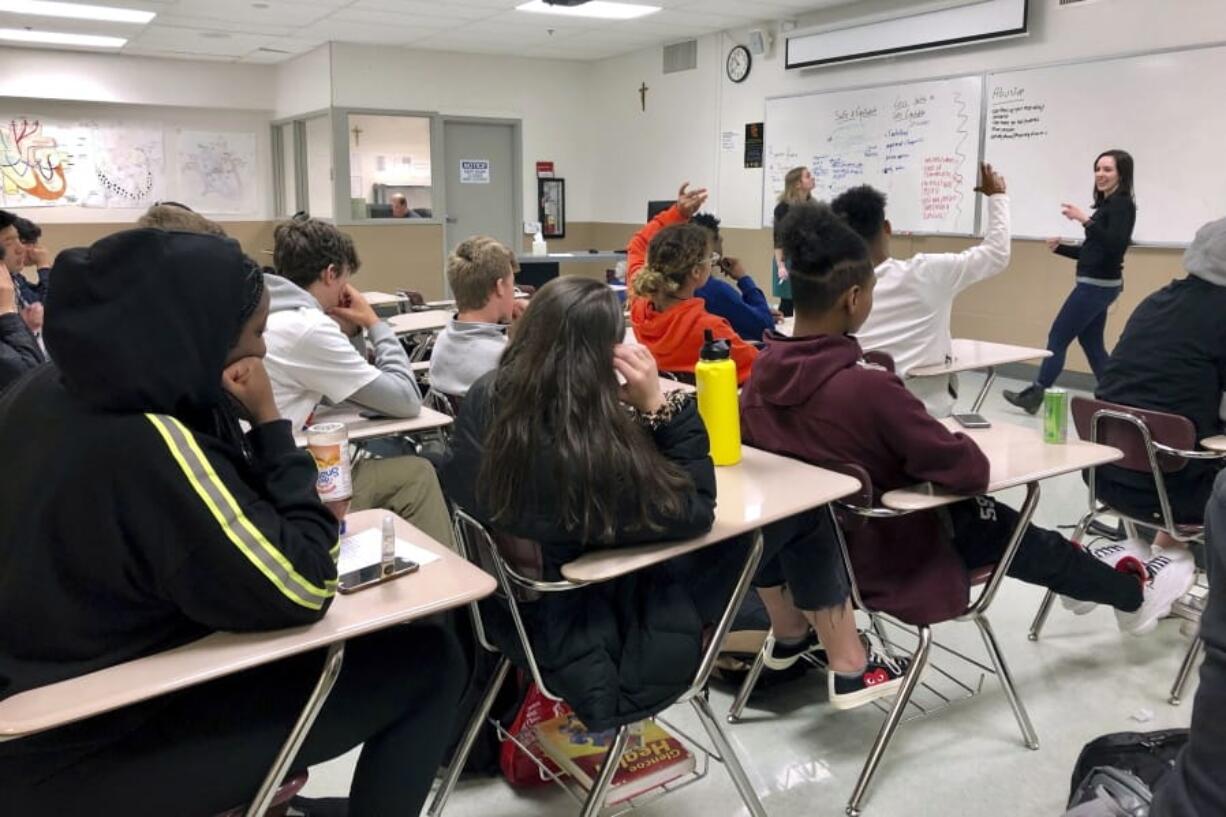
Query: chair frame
pixel 976 612
pixel 470 532
pixel 1153 450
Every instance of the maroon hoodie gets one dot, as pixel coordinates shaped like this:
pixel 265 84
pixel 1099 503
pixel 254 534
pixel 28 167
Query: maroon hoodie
pixel 815 399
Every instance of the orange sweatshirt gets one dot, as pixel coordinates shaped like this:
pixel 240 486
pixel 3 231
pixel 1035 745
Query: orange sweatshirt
pixel 675 337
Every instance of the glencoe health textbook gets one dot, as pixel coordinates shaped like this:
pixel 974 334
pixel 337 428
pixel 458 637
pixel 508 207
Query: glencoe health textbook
pixel 653 757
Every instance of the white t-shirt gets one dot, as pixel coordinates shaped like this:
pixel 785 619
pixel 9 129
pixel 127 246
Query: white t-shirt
pixel 309 358
pixel 913 299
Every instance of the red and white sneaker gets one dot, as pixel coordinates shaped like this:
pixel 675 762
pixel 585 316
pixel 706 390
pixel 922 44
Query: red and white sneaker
pixel 1109 553
pixel 882 676
pixel 1168 581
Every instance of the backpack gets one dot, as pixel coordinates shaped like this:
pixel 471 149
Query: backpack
pixel 1125 768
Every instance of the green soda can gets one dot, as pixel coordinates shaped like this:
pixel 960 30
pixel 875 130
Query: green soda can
pixel 1055 416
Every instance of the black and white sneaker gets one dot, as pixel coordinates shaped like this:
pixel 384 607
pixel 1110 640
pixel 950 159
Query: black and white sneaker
pixel 882 676
pixel 781 656
pixel 1109 553
pixel 1168 580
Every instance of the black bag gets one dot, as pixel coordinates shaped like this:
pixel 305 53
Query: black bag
pixel 1127 766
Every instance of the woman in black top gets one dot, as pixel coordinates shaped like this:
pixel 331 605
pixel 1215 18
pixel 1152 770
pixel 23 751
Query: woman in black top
pixel 1100 266
pixel 550 448
pixel 798 187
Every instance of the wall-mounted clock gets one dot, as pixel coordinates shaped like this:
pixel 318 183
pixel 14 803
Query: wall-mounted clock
pixel 739 63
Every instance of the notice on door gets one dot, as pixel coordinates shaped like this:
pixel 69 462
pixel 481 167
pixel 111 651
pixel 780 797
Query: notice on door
pixel 474 171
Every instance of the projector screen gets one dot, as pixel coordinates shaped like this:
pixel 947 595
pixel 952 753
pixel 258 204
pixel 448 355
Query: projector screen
pixel 936 27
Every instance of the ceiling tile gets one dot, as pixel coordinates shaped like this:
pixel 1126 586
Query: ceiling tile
pixel 429 9
pixel 197 41
pixel 350 32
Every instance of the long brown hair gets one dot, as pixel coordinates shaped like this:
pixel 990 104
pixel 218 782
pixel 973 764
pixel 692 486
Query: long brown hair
pixel 671 256
pixel 555 399
pixel 792 194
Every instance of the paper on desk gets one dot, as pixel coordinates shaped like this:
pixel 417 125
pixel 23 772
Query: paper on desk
pixel 366 548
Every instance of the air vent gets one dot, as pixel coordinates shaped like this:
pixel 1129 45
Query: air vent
pixel 268 50
pixel 681 57
pixel 1065 3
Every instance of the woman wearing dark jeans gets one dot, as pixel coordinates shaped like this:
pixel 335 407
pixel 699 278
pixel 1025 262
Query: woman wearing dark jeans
pixel 1100 265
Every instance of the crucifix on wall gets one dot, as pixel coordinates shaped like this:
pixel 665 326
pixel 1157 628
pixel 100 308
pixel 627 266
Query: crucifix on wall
pixel 357 136
pixel 643 95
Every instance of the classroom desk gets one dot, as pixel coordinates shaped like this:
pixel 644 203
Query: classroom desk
pixel 413 322
pixel 1217 443
pixel 444 584
pixel 365 428
pixel 375 298
pixel 760 489
pixel 968 355
pixel 1018 456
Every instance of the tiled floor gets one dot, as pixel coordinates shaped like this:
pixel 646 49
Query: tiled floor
pixel 1084 678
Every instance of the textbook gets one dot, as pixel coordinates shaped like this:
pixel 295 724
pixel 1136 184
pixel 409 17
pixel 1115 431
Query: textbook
pixel 653 757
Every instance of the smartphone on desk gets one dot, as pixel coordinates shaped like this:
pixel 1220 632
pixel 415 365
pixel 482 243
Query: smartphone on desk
pixel 363 577
pixel 972 421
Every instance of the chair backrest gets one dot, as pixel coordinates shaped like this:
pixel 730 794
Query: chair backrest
pixel 414 297
pixel 882 359
pixel 861 499
pixel 1167 429
pixel 448 404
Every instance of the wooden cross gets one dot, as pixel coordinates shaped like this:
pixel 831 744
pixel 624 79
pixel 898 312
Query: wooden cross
pixel 643 95
pixel 357 135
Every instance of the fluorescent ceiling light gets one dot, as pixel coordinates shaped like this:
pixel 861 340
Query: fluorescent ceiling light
pixel 596 8
pixel 21 35
pixel 76 11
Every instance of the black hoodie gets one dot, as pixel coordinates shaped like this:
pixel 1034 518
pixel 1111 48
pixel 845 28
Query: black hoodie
pixel 131 519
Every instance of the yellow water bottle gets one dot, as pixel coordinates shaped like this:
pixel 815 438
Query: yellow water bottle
pixel 717 399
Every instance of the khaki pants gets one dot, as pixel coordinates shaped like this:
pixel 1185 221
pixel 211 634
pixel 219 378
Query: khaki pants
pixel 408 487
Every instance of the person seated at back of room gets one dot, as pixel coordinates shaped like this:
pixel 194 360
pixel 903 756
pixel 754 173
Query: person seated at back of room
pixel 1172 357
pixel 550 448
pixel 14 262
pixel 813 397
pixel 665 266
pixel 113 547
pixel 400 206
pixel 745 305
pixel 913 299
pixel 481 274
pixel 34 255
pixel 317 333
pixel 19 352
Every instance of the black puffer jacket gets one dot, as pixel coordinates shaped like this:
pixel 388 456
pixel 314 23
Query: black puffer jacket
pixel 622 650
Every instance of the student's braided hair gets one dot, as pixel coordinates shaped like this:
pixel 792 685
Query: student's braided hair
pixel 671 256
pixel 825 257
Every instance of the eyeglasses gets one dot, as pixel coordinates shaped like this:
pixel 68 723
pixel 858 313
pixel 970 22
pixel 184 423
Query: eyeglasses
pixel 714 259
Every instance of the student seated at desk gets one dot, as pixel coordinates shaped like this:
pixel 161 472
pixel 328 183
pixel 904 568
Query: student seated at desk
pixel 136 517
pixel 666 264
pixel 481 273
pixel 35 255
pixel 19 352
pixel 1172 357
pixel 913 298
pixel 813 397
pixel 29 304
pixel 550 448
pixel 317 330
pixel 744 306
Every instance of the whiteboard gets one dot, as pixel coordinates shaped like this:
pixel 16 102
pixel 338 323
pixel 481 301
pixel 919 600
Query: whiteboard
pixel 917 143
pixel 1046 126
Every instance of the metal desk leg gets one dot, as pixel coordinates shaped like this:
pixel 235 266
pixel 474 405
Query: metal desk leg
pixel 460 756
pixel 1185 670
pixel 600 787
pixel 289 750
pixel 983 392
pixel 751 680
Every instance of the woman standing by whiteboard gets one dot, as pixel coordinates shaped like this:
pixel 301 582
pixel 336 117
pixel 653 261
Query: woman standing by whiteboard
pixel 798 187
pixel 1100 266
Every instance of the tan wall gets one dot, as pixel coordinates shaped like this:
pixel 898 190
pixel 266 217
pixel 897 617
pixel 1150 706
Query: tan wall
pixel 1017 306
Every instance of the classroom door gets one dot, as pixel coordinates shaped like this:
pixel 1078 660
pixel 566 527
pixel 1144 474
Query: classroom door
pixel 481 181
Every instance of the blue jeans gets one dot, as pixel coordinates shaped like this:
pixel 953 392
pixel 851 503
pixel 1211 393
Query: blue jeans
pixel 1083 317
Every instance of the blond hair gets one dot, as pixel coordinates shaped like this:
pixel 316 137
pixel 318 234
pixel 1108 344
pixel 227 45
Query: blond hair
pixel 792 194
pixel 177 218
pixel 671 256
pixel 475 267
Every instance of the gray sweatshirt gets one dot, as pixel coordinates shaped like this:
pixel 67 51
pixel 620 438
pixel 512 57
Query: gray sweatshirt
pixel 463 353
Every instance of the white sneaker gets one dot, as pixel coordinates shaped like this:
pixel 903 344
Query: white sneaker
pixel 1168 582
pixel 1109 553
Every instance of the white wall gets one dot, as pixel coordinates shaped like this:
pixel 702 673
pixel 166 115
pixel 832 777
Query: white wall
pixel 303 84
pixel 87 77
pixel 551 97
pixel 678 138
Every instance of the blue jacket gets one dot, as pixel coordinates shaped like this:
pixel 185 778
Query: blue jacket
pixel 747 310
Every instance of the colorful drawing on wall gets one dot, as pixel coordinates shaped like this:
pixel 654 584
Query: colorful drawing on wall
pixel 217 171
pixel 40 165
pixel 129 167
